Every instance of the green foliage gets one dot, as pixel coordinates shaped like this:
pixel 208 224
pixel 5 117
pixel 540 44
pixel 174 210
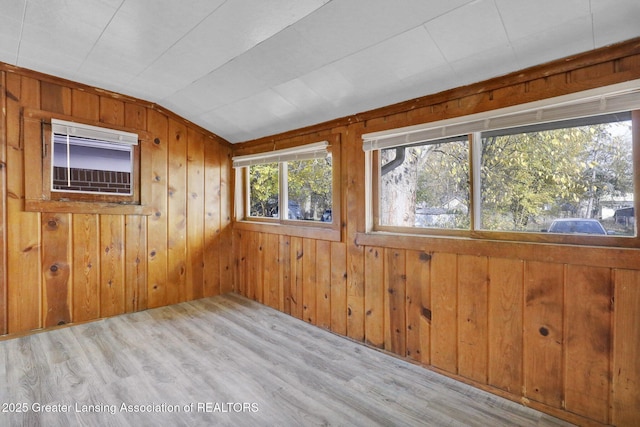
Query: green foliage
pixel 443 181
pixel 263 189
pixel 309 185
pixel 310 177
pixel 562 172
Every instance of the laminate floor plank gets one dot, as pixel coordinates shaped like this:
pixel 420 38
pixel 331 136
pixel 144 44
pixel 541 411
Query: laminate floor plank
pixel 280 377
pixel 229 361
pixel 300 368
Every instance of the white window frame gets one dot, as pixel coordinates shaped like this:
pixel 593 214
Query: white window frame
pixel 612 99
pixel 92 136
pixel 241 163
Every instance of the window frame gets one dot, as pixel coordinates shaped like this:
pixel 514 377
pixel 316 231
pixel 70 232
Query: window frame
pixel 133 197
pixel 39 197
pixel 372 163
pixel 246 200
pixel 297 228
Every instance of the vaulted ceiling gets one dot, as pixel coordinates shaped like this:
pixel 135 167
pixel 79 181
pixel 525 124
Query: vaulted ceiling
pixel 244 69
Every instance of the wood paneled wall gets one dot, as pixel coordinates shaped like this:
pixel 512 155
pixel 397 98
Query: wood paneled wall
pixel 60 268
pixel 556 327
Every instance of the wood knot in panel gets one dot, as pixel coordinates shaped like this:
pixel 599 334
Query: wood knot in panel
pixel 425 256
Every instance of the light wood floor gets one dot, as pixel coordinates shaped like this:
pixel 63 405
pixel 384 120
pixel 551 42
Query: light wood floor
pixel 273 369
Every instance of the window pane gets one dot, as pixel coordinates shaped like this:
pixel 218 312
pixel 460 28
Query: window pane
pixel 309 184
pixel 263 190
pixel 89 166
pixel 565 178
pixel 426 185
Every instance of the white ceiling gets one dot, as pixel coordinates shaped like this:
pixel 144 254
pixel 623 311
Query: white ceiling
pixel 250 68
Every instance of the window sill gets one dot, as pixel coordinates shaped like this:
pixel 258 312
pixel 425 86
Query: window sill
pixel 78 207
pixel 331 233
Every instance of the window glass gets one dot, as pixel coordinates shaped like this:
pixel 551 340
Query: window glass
pixel 263 190
pixel 572 177
pixel 84 165
pixel 309 189
pixel 425 185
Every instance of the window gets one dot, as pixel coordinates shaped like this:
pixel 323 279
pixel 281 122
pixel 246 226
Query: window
pixel 425 185
pixel 562 171
pixel 83 167
pixel 264 190
pixel 567 177
pixel 91 160
pixel 293 186
pixel 309 189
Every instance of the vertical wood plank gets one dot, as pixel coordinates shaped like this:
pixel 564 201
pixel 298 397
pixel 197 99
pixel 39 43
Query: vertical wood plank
pixel 257 258
pixel 309 281
pixel 252 264
pixel 177 214
pixel 212 230
pixel 146 175
pixel 295 291
pixel 247 247
pixel 135 263
pixel 626 349
pixel 543 332
pixel 472 317
pixel 195 215
pixel 55 98
pixel 24 277
pixel 374 296
pixel 339 288
pixel 355 292
pixel 444 308
pixel 135 116
pixel 271 271
pixel 112 268
pixel 284 274
pixel 112 111
pixel 85 105
pixel 258 268
pixel 86 267
pixel 240 251
pixel 505 323
pixel 418 306
pixel 427 308
pixel 3 204
pixel 33 181
pixel 323 286
pixel 56 268
pixel 395 286
pixel 157 222
pixel 588 341
pixel 226 257
pixel 353 171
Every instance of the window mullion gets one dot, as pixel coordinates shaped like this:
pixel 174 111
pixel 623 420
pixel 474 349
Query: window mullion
pixel 247 191
pixel 284 191
pixel 68 162
pixel 475 171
